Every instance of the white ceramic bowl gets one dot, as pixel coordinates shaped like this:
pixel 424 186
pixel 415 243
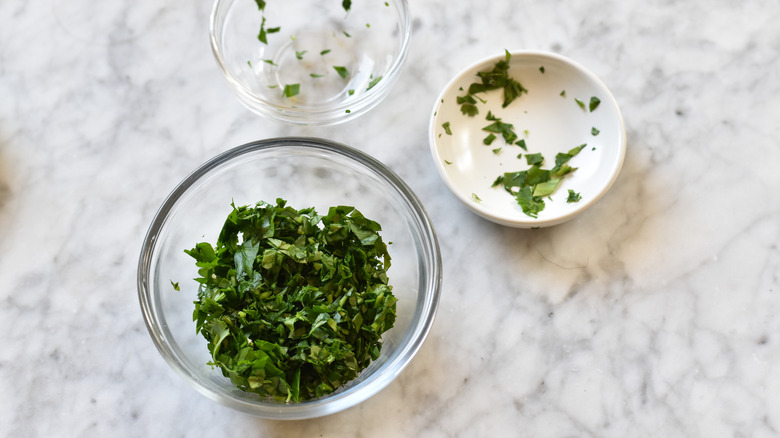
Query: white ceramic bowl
pixel 549 119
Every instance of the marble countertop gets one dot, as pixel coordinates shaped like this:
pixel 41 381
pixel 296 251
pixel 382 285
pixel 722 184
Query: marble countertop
pixel 655 313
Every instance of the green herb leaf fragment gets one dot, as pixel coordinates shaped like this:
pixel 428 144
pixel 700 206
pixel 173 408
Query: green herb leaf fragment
pixel 291 90
pixel 573 196
pixel 497 151
pixel 499 127
pixel 532 159
pixel 446 126
pixel 541 69
pixel 468 105
pixel 300 54
pixel 342 71
pixel 315 75
pixel 580 103
pixel 346 4
pixel 175 286
pixel 475 198
pixel 594 131
pixel 594 103
pixel 489 139
pixel 325 52
pixel 373 82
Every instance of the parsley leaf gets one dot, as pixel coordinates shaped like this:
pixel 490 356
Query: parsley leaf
pixel 291 90
pixel 594 103
pixel 373 82
pixel 573 196
pixel 446 126
pixel 342 71
pixel 530 186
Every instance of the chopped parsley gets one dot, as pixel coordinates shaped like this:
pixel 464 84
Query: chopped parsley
pixel 300 54
pixel 580 103
pixel 468 105
pixel 505 129
pixel 342 71
pixel 541 69
pixel 346 4
pixel 446 126
pixel 373 82
pixel 497 78
pixel 291 90
pixel 573 196
pixel 325 52
pixel 293 304
pixel 489 139
pixel 530 187
pixel 263 35
pixel 594 131
pixel 594 103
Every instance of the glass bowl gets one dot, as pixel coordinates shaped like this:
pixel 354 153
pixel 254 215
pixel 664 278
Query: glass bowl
pixel 310 62
pixel 307 173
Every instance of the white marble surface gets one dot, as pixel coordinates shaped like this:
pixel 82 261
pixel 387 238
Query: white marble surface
pixel 657 313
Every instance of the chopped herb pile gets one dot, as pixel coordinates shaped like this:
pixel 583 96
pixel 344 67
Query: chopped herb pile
pixel 293 304
pixel 529 187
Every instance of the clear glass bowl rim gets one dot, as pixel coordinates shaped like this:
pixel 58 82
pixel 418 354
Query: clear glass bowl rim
pixel 340 400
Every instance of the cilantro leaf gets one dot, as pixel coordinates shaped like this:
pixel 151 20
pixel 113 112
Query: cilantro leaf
pixel 573 196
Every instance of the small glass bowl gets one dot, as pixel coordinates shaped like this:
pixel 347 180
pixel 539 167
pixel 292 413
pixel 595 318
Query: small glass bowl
pixel 319 65
pixel 307 173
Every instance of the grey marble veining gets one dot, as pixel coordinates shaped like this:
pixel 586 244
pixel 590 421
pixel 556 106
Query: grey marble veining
pixel 653 314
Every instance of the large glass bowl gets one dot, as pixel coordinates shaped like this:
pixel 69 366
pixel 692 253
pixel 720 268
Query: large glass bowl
pixel 307 173
pixel 310 62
